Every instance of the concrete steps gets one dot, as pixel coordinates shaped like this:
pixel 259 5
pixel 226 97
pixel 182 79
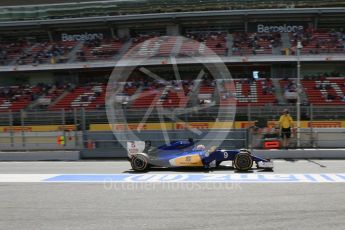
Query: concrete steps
pixel 279 92
pixel 229 43
pixel 124 49
pixel 177 46
pixel 72 56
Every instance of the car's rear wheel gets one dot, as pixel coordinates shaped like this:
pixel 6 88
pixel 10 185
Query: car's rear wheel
pixel 139 163
pixel 243 161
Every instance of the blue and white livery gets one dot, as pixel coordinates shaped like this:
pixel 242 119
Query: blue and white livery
pixel 185 154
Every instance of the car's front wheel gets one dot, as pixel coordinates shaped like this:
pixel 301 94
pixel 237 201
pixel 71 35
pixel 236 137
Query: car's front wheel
pixel 243 161
pixel 139 163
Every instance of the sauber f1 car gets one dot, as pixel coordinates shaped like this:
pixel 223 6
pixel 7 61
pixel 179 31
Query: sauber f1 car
pixel 142 156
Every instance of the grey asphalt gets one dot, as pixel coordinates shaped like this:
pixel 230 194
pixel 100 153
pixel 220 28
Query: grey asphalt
pixel 166 206
pixel 108 167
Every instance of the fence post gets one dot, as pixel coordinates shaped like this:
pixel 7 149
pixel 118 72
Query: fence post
pixel 249 113
pixel 249 138
pixel 63 121
pixel 83 127
pixel 173 121
pixel 317 138
pixel 311 112
pixel 10 120
pixel 76 127
pixel 22 123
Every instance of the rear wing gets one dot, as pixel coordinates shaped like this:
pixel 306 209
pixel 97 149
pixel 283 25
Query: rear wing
pixel 135 147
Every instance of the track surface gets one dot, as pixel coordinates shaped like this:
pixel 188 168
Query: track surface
pixel 168 205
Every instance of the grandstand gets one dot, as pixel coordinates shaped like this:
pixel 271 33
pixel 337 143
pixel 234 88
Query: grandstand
pixel 52 9
pixel 56 58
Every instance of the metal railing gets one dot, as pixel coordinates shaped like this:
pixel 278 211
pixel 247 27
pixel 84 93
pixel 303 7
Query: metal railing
pixel 309 138
pixel 80 117
pixel 31 129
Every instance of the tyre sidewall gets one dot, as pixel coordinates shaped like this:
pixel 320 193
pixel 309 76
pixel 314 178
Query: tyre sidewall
pixel 242 155
pixel 134 163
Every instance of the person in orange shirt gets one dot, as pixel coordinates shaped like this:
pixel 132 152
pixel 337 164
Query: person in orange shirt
pixel 285 124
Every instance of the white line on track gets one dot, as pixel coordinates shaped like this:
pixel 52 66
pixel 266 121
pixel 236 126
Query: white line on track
pixel 10 178
pixel 175 178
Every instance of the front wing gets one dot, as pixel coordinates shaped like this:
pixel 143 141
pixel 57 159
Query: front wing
pixel 265 164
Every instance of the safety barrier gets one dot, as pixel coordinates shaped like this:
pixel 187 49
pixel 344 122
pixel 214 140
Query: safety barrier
pixel 40 140
pixel 309 138
pixel 89 131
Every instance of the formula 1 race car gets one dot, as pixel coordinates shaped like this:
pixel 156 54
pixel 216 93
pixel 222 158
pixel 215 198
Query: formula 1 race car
pixel 185 154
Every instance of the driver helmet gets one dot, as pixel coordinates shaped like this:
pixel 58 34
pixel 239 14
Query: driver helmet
pixel 200 147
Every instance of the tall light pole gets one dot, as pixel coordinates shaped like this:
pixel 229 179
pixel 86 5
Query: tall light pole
pixel 299 91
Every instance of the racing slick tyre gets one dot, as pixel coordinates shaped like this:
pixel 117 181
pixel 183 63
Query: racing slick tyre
pixel 139 163
pixel 243 161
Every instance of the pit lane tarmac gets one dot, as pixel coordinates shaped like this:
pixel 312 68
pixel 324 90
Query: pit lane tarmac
pixel 159 205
